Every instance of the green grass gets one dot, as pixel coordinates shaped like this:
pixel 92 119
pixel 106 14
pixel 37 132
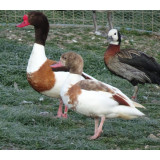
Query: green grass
pixel 23 127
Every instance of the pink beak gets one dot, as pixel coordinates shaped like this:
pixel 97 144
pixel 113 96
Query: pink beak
pixel 24 23
pixel 57 65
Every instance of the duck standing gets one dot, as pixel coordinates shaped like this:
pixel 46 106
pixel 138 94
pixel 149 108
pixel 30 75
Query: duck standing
pixel 39 73
pixel 91 97
pixel 130 64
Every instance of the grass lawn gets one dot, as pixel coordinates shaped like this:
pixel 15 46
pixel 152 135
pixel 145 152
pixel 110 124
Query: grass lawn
pixel 22 122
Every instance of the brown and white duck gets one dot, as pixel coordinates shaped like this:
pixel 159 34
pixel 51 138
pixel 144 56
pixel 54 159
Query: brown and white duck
pixel 130 64
pixel 39 73
pixel 92 97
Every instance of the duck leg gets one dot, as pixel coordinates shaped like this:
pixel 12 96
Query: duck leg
pixel 134 97
pixel 98 130
pixel 59 113
pixel 96 125
pixel 94 21
pixel 65 112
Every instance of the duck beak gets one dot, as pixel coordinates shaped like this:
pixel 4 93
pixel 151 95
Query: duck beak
pixel 57 65
pixel 24 23
pixel 109 38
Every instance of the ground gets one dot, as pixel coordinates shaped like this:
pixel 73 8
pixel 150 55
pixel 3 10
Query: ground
pixel 27 118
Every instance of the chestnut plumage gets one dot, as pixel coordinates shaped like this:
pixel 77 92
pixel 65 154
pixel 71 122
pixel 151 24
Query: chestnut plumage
pixel 130 64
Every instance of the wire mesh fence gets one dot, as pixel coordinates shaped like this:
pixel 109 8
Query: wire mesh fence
pixel 146 20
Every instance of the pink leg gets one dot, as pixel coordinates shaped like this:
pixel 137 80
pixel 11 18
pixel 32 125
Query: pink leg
pixel 96 125
pixel 59 113
pixel 65 112
pixel 134 97
pixel 99 130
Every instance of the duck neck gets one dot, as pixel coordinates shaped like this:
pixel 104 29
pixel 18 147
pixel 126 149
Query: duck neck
pixel 110 52
pixel 41 33
pixel 37 58
pixel 112 48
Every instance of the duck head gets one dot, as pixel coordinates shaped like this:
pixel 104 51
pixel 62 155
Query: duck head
pixel 114 37
pixel 37 19
pixel 40 23
pixel 72 61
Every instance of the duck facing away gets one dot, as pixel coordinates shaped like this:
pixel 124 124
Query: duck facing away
pixel 93 98
pixel 39 73
pixel 130 64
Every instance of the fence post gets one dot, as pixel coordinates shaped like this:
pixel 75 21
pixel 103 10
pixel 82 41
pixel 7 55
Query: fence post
pixel 109 16
pixel 73 17
pixel 152 20
pixel 133 19
pixel 142 21
pixel 94 20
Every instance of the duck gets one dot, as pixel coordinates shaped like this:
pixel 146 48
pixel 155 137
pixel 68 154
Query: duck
pixel 131 64
pixel 40 75
pixel 93 98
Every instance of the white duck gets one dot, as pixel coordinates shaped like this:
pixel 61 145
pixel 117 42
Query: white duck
pixel 93 98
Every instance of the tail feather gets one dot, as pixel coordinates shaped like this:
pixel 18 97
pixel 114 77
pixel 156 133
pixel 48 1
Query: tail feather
pixel 137 105
pixel 125 112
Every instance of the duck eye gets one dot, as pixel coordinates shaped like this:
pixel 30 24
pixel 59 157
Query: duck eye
pixel 114 33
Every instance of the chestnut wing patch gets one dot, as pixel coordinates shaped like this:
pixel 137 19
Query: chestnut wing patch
pixel 120 99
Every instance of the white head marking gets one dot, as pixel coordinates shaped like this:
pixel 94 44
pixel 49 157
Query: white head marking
pixel 113 35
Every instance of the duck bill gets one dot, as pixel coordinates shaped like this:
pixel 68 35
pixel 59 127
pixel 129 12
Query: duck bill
pixel 57 65
pixel 24 23
pixel 109 39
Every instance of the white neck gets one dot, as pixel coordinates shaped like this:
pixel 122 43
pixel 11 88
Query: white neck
pixel 114 43
pixel 37 58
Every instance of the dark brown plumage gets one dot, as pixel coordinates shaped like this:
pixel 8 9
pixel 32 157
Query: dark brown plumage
pixel 131 64
pixel 41 25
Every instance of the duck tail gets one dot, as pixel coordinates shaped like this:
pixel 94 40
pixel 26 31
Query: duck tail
pixel 137 105
pixel 127 113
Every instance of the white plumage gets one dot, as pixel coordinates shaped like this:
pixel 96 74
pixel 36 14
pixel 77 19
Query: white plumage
pixel 104 101
pixel 37 58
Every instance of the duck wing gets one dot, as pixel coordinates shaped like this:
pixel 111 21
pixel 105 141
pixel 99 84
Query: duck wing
pixel 92 85
pixel 127 71
pixel 139 60
pixel 146 64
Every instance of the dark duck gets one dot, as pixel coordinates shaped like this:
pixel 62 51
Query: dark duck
pixel 130 64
